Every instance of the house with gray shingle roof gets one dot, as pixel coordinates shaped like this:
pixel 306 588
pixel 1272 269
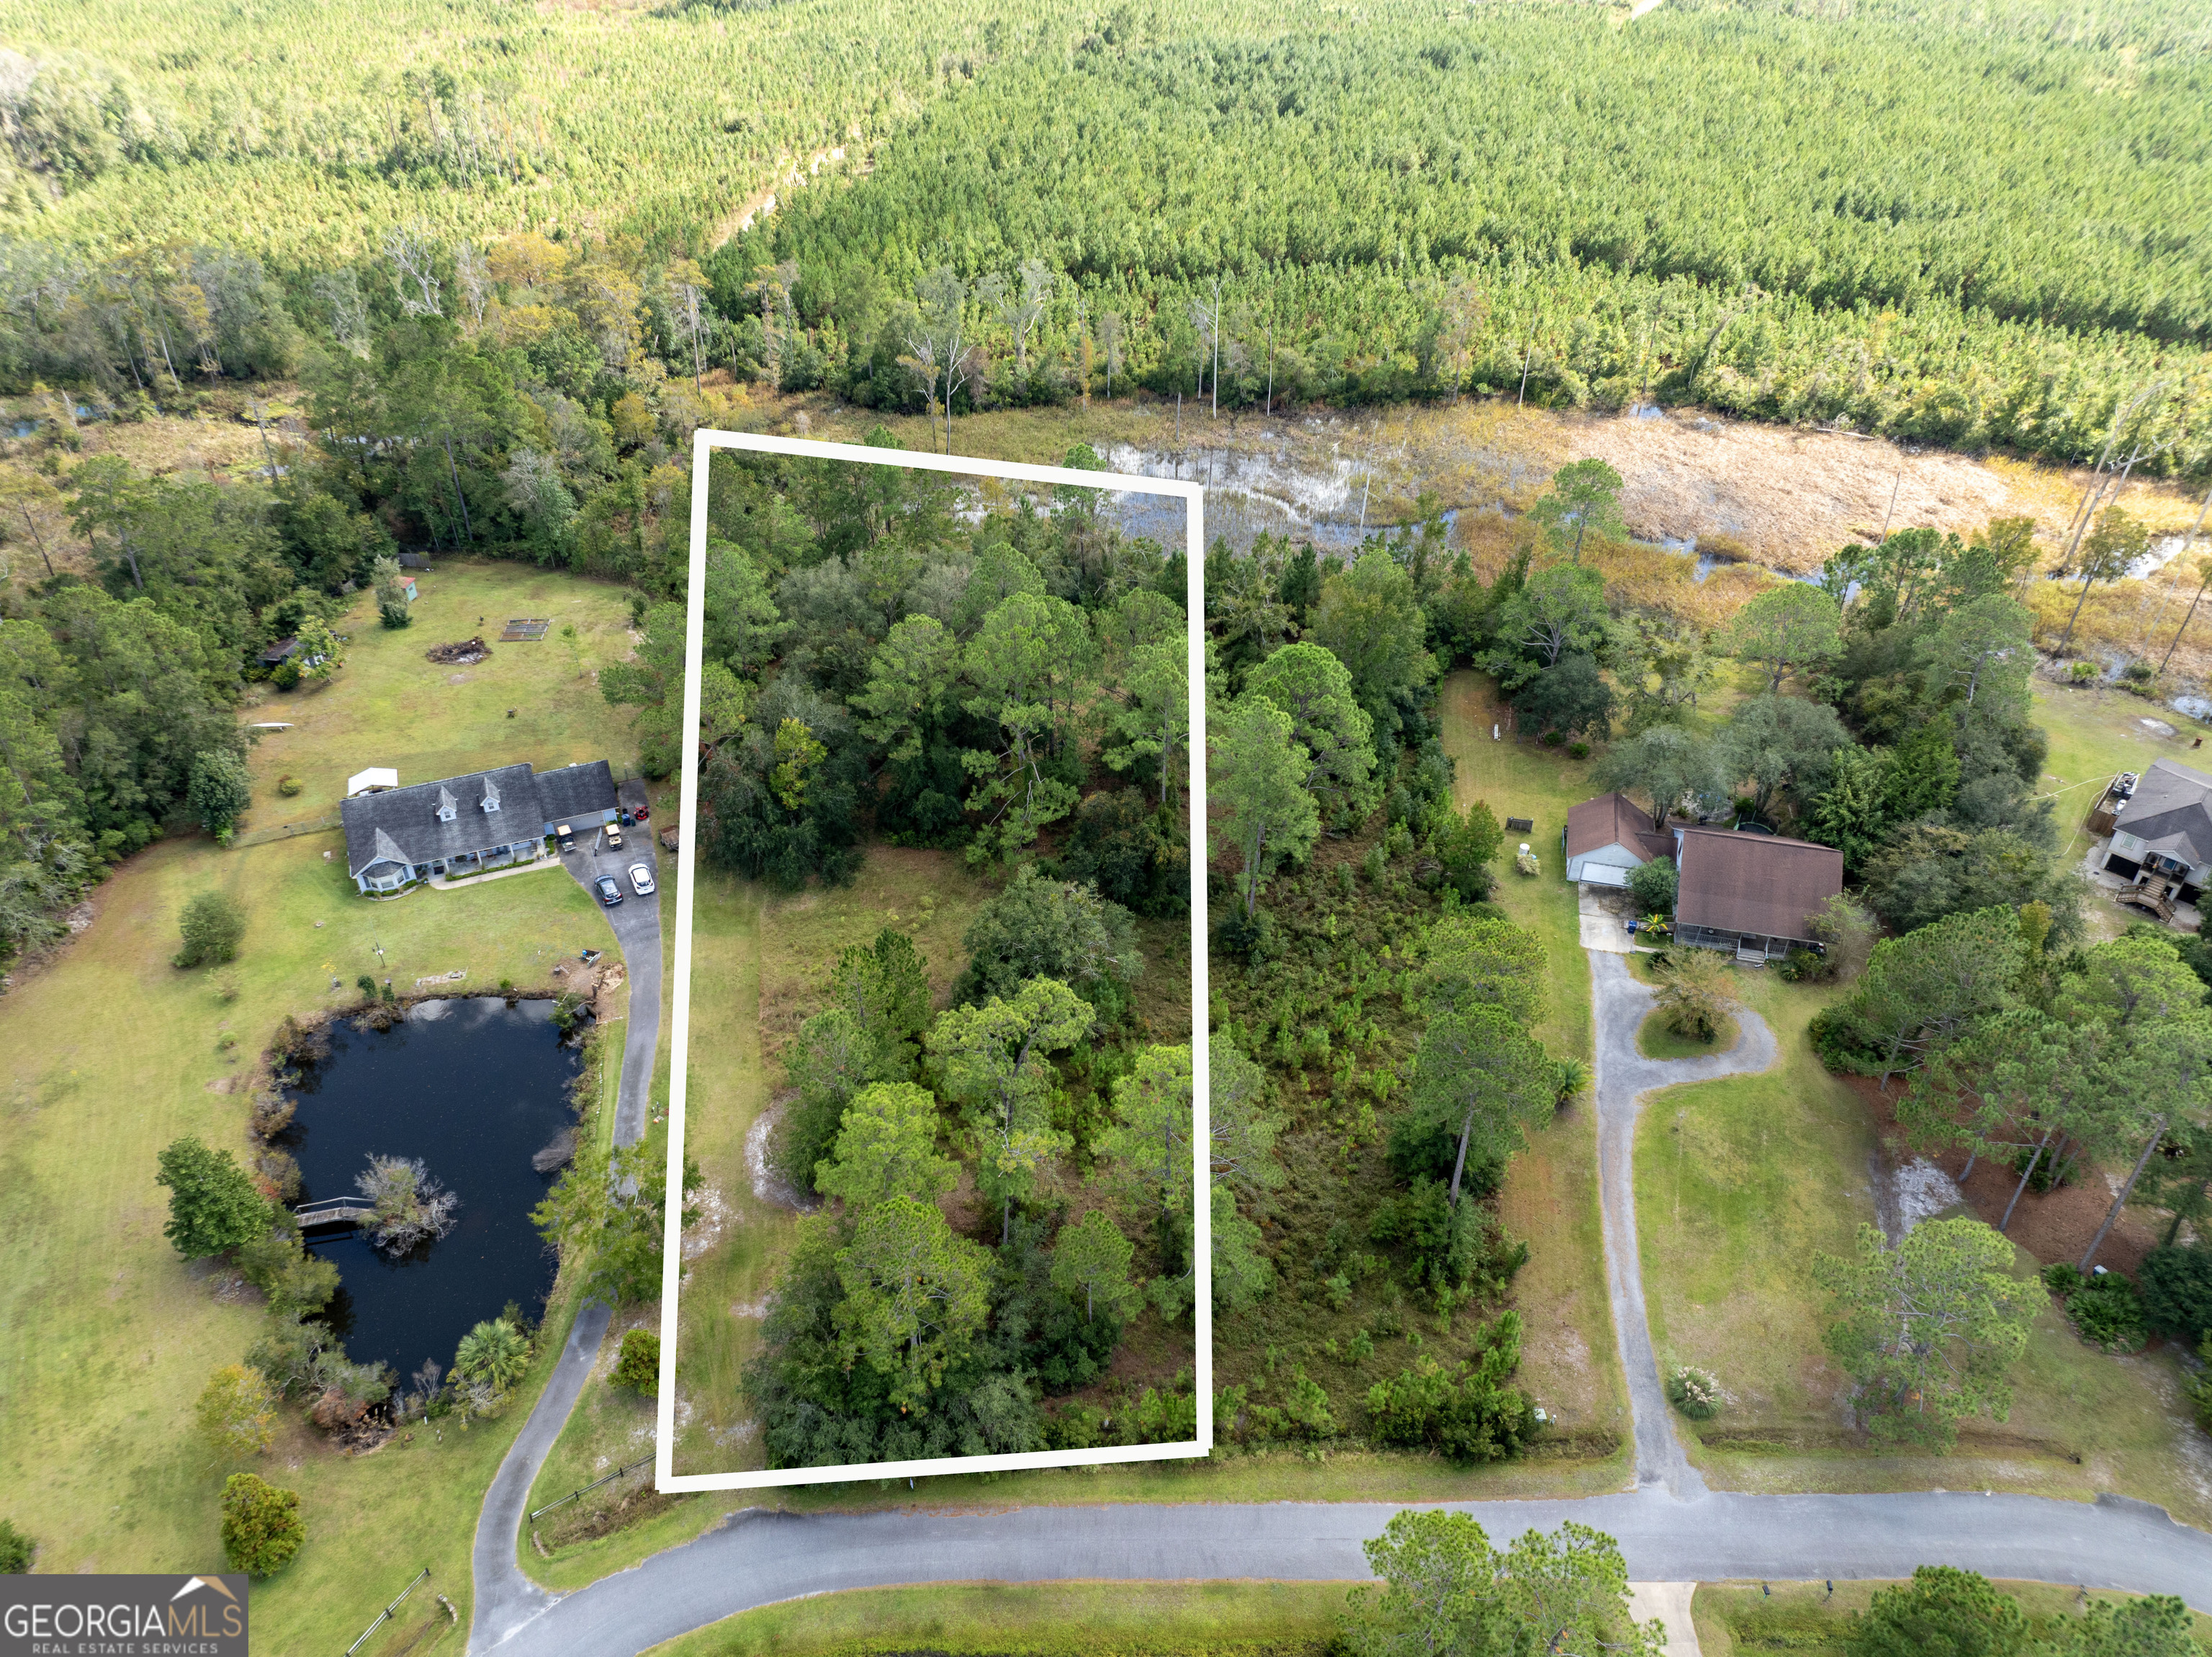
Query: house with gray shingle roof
pixel 465 825
pixel 2164 829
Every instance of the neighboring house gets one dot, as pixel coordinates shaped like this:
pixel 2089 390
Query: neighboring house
pixel 2162 835
pixel 281 650
pixel 1752 893
pixel 463 825
pixel 1610 838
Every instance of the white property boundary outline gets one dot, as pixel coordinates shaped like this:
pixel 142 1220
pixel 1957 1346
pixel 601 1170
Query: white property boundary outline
pixel 703 445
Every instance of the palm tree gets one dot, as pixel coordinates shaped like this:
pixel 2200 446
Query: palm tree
pixel 494 1353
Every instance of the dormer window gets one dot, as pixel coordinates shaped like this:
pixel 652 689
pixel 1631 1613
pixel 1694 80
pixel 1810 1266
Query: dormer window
pixel 490 795
pixel 447 807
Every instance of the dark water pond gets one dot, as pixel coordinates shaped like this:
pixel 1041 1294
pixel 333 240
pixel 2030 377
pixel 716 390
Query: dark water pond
pixel 474 1088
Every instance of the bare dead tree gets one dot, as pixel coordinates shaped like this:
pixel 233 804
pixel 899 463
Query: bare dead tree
pixel 414 273
pixel 469 270
pixel 411 1206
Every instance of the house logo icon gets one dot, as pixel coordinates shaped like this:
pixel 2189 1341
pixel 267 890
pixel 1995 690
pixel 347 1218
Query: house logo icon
pixel 213 1584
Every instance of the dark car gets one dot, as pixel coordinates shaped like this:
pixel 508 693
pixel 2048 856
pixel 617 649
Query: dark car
pixel 610 894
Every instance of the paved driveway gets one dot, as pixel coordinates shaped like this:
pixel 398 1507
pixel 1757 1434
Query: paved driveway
pixel 505 1598
pixel 1623 1077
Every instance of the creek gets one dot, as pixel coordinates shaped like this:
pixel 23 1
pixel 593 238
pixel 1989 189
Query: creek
pixel 474 1088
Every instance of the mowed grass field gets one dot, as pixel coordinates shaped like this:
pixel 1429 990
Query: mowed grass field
pixel 2095 734
pixel 1053 1619
pixel 1739 1184
pixel 1812 1619
pixel 1282 1619
pixel 107 1053
pixel 390 706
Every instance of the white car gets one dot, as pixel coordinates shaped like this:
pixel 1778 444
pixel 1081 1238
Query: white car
pixel 640 880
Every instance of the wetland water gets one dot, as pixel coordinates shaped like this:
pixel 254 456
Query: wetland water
pixel 474 1088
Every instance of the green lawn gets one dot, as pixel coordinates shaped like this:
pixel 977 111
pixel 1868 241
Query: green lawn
pixel 390 706
pixel 1655 1040
pixel 1739 1183
pixel 1058 1619
pixel 1571 1363
pixel 1810 1619
pixel 2095 734
pixel 106 1336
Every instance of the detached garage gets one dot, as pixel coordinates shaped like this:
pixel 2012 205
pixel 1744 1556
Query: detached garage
pixel 1610 838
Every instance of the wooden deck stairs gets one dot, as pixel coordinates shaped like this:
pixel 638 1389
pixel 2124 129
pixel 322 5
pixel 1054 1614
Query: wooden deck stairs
pixel 2154 893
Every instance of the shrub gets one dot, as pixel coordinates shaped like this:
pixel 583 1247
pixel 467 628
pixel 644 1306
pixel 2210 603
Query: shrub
pixel 2177 1291
pixel 638 1367
pixel 2045 1174
pixel 15 1551
pixel 1579 750
pixel 1802 965
pixel 2107 1313
pixel 297 1284
pixel 237 1412
pixel 289 787
pixel 1469 1414
pixel 1161 1418
pixel 2200 1388
pixel 1130 851
pixel 261 1525
pixel 1304 1413
pixel 1839 1041
pixel 1656 884
pixel 1251 937
pixel 1417 1153
pixel 2082 672
pixel 211 926
pixel 2062 1278
pixel 287 675
pixel 1078 1426
pixel 1694 1393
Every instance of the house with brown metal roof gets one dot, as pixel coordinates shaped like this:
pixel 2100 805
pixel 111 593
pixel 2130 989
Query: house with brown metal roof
pixel 1753 893
pixel 1610 838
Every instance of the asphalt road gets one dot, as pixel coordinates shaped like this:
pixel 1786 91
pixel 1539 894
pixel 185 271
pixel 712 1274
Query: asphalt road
pixel 1670 1528
pixel 505 1598
pixel 759 1556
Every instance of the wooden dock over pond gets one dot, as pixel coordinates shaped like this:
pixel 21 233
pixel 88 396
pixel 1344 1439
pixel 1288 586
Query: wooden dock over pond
pixel 334 1211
